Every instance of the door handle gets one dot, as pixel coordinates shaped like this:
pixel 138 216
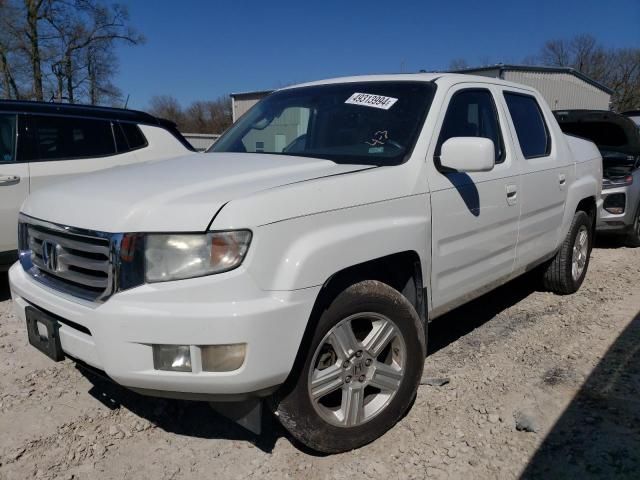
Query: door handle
pixel 6 180
pixel 562 179
pixel 512 194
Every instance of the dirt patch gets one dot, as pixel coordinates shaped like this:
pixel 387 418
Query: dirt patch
pixel 539 385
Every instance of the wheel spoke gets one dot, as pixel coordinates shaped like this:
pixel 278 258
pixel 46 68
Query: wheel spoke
pixel 352 406
pixel 583 239
pixel 343 341
pixel 325 381
pixel 385 377
pixel 382 333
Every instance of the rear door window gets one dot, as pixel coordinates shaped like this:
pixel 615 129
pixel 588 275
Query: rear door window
pixel 7 138
pixel 60 138
pixel 532 131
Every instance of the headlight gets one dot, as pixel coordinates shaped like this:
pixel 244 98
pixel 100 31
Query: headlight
pixel 617 182
pixel 179 256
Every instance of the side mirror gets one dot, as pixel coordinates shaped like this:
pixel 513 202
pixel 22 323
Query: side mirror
pixel 468 154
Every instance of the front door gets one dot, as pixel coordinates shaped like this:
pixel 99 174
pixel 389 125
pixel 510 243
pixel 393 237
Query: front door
pixel 474 215
pixel 14 184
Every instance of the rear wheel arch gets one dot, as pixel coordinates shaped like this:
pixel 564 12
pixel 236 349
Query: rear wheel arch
pixel 588 205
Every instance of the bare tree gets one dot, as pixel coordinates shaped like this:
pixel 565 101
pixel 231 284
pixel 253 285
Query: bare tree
pixel 9 85
pixel 203 116
pixel 166 106
pixel 619 69
pixel 35 12
pixel 555 53
pixel 458 64
pixel 62 47
pixel 86 31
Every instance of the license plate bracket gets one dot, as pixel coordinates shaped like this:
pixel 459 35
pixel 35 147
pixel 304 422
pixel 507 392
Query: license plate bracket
pixel 43 331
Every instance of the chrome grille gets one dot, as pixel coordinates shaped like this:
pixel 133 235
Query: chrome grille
pixel 74 261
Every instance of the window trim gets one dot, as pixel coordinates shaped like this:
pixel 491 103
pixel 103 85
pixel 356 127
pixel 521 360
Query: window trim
pixel 549 145
pixel 502 146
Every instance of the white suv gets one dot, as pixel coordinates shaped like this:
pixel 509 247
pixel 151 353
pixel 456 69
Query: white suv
pixel 44 143
pixel 301 260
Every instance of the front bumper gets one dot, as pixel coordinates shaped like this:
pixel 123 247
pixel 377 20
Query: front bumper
pixel 617 223
pixel 219 309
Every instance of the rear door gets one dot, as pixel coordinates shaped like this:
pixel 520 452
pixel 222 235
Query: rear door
pixel 63 147
pixel 545 177
pixel 474 215
pixel 14 184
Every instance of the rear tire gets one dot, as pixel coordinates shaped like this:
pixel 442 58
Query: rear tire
pixel 633 237
pixel 567 270
pixel 345 396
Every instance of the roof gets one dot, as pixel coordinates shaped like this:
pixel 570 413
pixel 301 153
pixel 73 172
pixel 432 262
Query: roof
pixel 75 110
pixel 540 69
pixel 441 77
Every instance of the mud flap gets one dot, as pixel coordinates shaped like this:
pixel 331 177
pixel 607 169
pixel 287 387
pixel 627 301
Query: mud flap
pixel 247 414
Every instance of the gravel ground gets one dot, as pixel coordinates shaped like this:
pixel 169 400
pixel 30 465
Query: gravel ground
pixel 539 386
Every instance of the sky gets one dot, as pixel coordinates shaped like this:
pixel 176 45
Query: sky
pixel 201 50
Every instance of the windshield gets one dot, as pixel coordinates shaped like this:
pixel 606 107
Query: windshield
pixel 373 123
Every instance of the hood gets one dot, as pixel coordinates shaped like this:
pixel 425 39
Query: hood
pixel 611 132
pixel 179 194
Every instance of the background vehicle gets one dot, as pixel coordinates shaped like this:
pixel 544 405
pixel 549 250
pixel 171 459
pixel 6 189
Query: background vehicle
pixel 44 143
pixel 633 115
pixel 618 139
pixel 301 261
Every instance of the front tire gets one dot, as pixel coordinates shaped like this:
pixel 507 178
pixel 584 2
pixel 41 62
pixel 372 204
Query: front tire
pixel 567 270
pixel 633 237
pixel 360 373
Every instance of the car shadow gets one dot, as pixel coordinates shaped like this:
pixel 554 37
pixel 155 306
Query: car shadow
pixel 457 323
pixel 607 242
pixel 5 293
pixel 598 435
pixel 181 417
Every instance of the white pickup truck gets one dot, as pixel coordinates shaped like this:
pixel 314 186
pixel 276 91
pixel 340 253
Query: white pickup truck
pixel 301 261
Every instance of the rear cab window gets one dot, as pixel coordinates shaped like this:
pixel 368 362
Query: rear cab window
pixel 7 138
pixel 531 128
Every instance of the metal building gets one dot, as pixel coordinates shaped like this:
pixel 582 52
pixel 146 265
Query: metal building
pixel 201 141
pixel 242 102
pixel 563 88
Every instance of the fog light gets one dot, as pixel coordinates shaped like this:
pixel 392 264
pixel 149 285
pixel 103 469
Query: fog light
pixel 175 358
pixel 223 358
pixel 615 203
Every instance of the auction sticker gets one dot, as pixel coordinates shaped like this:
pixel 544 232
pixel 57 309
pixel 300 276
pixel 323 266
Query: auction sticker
pixel 368 100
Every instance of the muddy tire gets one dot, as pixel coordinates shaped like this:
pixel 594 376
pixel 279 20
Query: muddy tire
pixel 566 272
pixel 360 373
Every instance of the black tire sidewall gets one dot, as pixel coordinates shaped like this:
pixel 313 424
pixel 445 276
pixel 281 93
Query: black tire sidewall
pixel 295 410
pixel 580 219
pixel 633 239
